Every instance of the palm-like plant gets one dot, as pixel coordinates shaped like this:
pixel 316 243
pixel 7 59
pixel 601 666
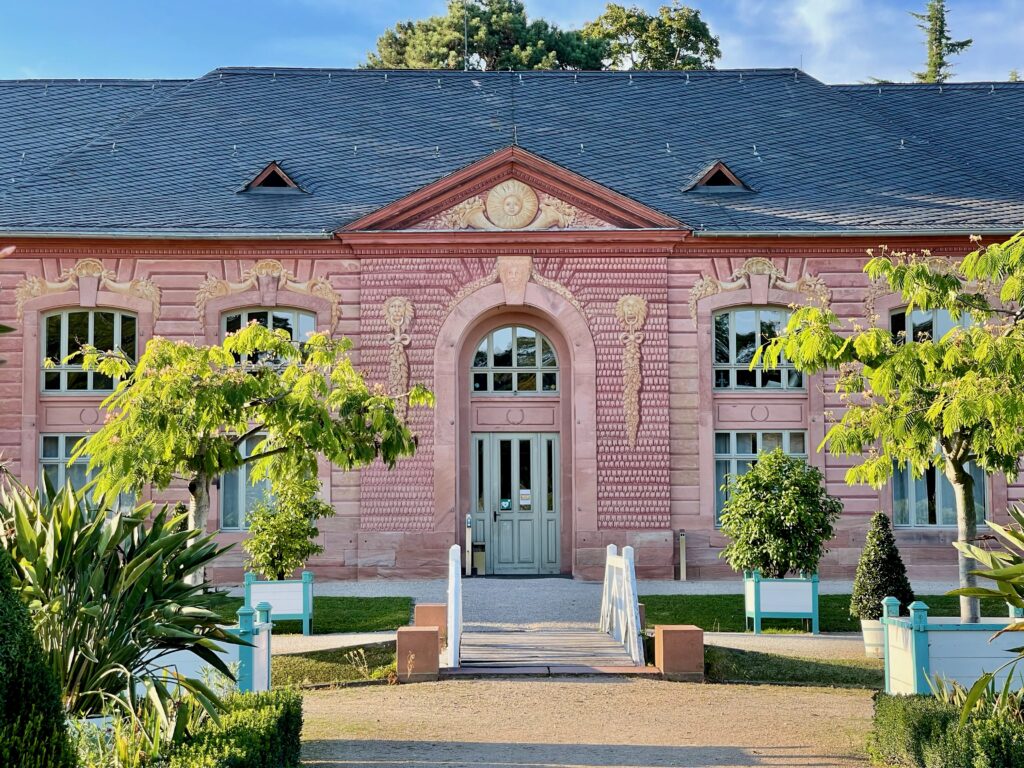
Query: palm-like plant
pixel 110 597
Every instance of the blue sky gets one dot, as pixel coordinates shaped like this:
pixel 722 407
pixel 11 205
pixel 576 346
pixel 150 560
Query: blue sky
pixel 834 40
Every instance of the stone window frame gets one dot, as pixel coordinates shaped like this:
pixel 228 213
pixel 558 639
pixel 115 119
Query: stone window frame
pixel 60 368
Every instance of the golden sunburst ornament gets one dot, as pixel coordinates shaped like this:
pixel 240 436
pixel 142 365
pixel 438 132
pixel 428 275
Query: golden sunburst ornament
pixel 511 205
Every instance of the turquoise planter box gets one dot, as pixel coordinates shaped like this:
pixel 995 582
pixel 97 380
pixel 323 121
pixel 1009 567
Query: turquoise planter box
pixel 790 598
pixel 290 599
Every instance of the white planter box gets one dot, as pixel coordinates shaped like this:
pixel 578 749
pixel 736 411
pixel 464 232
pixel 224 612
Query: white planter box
pixel 918 648
pixel 790 598
pixel 288 599
pixel 872 631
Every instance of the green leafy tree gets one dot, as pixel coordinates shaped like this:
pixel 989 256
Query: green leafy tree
pixel 778 517
pixel 282 535
pixel 674 38
pixel 880 572
pixel 32 718
pixel 110 597
pixel 939 43
pixel 487 35
pixel 927 402
pixel 184 412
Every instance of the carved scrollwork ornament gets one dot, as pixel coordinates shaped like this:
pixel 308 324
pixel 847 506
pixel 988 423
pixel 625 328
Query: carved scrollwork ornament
pixel 631 311
pixel 92 269
pixel 811 286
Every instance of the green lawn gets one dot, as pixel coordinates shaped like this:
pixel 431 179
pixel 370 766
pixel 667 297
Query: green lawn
pixel 337 614
pixel 724 613
pixel 728 665
pixel 342 665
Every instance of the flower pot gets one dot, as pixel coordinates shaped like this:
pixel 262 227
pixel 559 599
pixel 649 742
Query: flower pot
pixel 872 631
pixel 795 597
pixel 288 598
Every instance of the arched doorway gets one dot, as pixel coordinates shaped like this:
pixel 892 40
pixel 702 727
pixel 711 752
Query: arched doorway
pixel 497 426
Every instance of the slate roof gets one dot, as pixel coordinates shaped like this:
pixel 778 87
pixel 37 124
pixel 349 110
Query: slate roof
pixel 818 158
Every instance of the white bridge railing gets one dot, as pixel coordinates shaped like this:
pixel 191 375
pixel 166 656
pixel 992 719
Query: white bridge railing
pixel 454 605
pixel 620 605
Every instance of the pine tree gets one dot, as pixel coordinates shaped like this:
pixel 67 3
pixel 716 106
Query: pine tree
pixel 939 43
pixel 880 572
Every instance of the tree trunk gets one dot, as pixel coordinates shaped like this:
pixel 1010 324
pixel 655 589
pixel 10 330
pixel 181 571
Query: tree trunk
pixel 967 531
pixel 198 513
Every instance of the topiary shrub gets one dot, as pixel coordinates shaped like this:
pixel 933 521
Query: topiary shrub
pixel 779 517
pixel 880 572
pixel 33 731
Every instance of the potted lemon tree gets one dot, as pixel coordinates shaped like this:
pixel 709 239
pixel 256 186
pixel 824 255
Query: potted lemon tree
pixel 779 518
pixel 880 574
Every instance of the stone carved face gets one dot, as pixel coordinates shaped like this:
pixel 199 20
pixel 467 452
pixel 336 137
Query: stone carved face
pixel 632 311
pixel 397 312
pixel 511 205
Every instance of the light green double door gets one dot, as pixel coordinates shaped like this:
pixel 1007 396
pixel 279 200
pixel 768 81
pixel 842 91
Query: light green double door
pixel 515 501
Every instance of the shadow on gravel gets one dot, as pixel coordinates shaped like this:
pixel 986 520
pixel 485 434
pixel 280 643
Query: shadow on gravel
pixel 335 753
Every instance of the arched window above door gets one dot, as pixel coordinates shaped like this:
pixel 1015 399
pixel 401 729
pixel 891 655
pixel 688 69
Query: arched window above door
pixel 515 360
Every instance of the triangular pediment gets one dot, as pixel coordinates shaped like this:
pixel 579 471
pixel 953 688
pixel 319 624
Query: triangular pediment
pixel 509 191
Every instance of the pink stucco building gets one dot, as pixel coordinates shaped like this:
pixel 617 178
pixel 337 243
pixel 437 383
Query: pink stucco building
pixel 578 265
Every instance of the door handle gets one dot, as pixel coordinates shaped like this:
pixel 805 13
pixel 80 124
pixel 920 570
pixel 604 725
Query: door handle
pixel 494 515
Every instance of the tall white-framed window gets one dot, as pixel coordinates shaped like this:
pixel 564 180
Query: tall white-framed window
pixel 298 323
pixel 928 501
pixel 923 324
pixel 67 331
pixel 515 360
pixel 238 494
pixel 736 452
pixel 54 454
pixel 737 335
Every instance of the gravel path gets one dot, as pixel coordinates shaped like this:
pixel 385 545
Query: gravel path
pixel 584 722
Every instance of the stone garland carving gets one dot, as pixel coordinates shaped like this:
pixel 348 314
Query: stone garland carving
pixel 32 286
pixel 512 204
pixel 398 314
pixel 268 269
pixel 811 286
pixel 631 311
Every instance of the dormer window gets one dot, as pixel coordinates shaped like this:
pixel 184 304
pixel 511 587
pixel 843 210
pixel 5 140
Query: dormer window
pixel 272 179
pixel 717 178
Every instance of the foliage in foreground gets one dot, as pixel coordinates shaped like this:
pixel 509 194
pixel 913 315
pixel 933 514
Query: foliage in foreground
pixel 778 517
pixel 109 597
pixel 918 403
pixel 283 535
pixel 880 572
pixel 925 732
pixel 32 730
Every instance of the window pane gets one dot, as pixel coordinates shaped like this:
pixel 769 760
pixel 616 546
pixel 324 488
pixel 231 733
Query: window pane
pixel 924 498
pixel 771 440
pixel 505 474
pixel 947 502
pixel 922 324
pixel 53 325
pixel 254 493
pixel 526 382
pixel 101 381
pixel 52 472
pixel 773 323
pixel 526 348
pixel 258 317
pixel 746 335
pixel 78 380
pixel 549 466
pixel 480 356
pixel 771 379
pixel 796 379
pixel 229 500
pixel 745 378
pixel 502 340
pixel 70 443
pixel 550 382
pixel 548 358
pixel 128 336
pixel 307 326
pixel 525 499
pixel 481 467
pixel 233 323
pixel 900 502
pixel 479 382
pixel 721 471
pixel 796 443
pixel 722 338
pixel 103 331
pixel 78 330
pixel 285 321
pixel 51 380
pixel 503 382
pixel 898 324
pixel 721 379
pixel 746 443
pixel 77 473
pixel 51 446
pixel 722 443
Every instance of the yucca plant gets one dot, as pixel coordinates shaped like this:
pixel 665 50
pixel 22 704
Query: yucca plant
pixel 110 597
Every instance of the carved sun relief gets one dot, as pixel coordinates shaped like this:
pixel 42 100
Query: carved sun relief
pixel 511 204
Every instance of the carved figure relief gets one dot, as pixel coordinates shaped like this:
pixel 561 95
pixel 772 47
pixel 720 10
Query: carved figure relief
pixel 631 311
pixel 811 286
pixel 268 276
pixel 89 276
pixel 514 273
pixel 398 314
pixel 511 205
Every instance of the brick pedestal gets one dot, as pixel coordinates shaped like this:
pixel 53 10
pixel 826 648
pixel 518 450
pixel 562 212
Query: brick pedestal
pixel 418 649
pixel 433 615
pixel 679 652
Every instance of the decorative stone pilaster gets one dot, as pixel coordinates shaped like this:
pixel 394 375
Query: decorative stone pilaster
pixel 398 314
pixel 631 310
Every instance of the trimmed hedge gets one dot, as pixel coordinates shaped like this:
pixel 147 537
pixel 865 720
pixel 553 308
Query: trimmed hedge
pixel 923 732
pixel 258 730
pixel 33 733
